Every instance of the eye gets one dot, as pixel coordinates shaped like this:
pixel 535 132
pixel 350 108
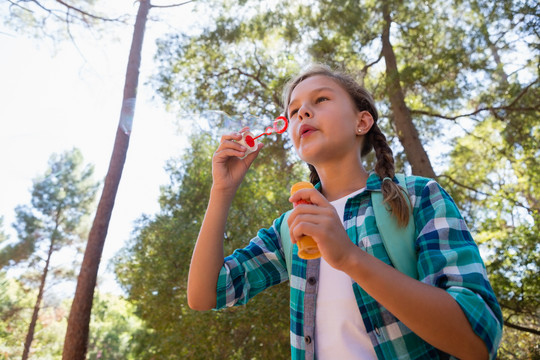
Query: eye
pixel 293 112
pixel 320 99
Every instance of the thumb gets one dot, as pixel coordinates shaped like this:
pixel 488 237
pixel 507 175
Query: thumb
pixel 251 157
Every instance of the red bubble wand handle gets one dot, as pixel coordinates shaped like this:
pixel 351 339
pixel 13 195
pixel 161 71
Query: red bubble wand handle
pixel 279 127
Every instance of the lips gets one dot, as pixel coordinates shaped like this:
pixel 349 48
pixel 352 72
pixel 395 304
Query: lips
pixel 306 130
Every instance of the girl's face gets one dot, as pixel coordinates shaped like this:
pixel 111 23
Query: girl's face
pixel 323 121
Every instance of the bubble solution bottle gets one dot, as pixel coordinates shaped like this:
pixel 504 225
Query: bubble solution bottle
pixel 307 247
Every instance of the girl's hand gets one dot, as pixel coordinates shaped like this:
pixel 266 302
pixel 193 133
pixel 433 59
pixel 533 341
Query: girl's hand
pixel 320 221
pixel 228 169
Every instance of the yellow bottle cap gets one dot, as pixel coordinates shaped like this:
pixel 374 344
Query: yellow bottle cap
pixel 301 185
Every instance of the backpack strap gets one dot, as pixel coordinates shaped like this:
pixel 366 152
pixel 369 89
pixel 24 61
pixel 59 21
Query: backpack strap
pixel 399 242
pixel 286 242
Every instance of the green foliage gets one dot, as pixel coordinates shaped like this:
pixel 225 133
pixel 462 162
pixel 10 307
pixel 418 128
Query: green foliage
pixel 499 162
pixel 54 221
pixel 154 267
pixel 62 200
pixel 15 311
pixel 16 303
pixel 113 326
pixel 113 329
pixel 465 67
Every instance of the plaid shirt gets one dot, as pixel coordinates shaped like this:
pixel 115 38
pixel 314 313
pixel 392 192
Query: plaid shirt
pixel 448 258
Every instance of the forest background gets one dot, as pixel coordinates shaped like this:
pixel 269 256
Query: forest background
pixel 457 88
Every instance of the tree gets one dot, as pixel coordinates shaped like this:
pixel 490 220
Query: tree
pixel 61 200
pixel 79 317
pixel 450 69
pixel 36 14
pixel 78 324
pixel 153 268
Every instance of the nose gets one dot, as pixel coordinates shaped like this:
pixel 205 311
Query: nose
pixel 305 112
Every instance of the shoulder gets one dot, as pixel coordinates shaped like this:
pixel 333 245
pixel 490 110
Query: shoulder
pixel 273 233
pixel 429 199
pixel 418 183
pixel 424 187
pixel 413 182
pixel 281 221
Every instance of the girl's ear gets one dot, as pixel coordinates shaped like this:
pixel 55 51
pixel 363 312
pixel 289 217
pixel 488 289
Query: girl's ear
pixel 364 122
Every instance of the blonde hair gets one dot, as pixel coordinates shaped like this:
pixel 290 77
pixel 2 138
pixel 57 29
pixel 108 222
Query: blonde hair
pixel 374 140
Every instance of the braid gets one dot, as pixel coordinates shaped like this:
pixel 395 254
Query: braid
pixel 392 193
pixel 385 157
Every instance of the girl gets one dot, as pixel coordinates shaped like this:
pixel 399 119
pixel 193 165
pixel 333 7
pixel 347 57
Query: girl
pixel 352 303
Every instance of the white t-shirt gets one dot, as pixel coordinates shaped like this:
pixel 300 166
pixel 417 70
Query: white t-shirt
pixel 340 332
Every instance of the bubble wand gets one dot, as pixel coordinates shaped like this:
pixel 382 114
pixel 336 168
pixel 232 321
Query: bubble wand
pixel 250 141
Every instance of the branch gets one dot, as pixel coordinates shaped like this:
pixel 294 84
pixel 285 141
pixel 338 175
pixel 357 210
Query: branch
pixel 83 13
pixel 516 203
pixel 364 70
pixel 463 185
pixel 17 4
pixel 523 92
pixel 366 67
pixel 489 108
pixel 251 76
pixel 492 109
pixel 241 72
pixel 521 328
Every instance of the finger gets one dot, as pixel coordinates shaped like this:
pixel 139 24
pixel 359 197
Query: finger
pixel 237 136
pixel 310 195
pixel 228 153
pixel 304 214
pixel 304 229
pixel 302 209
pixel 251 157
pixel 322 217
pixel 230 144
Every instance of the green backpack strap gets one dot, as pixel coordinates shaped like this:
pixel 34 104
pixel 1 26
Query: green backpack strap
pixel 286 242
pixel 399 242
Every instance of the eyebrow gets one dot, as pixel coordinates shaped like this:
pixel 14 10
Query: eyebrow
pixel 315 91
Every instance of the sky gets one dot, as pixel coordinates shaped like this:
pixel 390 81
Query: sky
pixel 54 98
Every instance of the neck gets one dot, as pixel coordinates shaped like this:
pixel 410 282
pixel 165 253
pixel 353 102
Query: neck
pixel 339 179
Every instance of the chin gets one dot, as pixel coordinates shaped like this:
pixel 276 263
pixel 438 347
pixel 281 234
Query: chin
pixel 309 155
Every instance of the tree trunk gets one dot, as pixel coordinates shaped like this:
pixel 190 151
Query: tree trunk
pixel 406 131
pixel 32 327
pixel 76 340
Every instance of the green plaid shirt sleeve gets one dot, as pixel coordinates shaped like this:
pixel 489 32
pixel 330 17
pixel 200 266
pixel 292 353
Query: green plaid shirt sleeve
pixel 448 258
pixel 250 270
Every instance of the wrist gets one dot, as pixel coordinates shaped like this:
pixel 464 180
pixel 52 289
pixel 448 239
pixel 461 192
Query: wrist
pixel 222 192
pixel 352 260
